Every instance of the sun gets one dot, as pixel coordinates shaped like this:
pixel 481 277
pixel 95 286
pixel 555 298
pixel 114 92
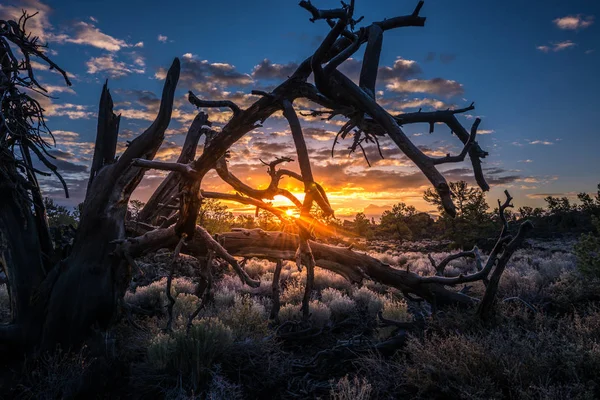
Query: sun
pixel 289 212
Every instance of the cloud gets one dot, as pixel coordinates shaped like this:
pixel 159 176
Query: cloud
pixel 574 22
pixel 205 76
pixel 557 46
pixel 72 111
pixel 79 32
pixel 58 89
pixel 162 38
pixel 107 64
pixel 39 25
pixel 494 176
pixel 139 44
pixel 401 69
pixel 439 86
pixel 396 104
pixel 270 147
pixel 87 34
pixel 319 134
pixel 544 142
pixel 268 70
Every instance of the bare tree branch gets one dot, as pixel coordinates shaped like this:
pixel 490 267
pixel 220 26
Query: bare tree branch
pixel 213 103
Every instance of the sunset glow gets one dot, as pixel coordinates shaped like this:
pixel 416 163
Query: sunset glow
pixel 529 153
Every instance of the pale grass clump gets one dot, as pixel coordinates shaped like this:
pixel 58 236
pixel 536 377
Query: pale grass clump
pixel 387 258
pixel 247 318
pixel 223 297
pixel 515 284
pixel 555 265
pixel 376 286
pixel 185 304
pixel 395 309
pixel 191 355
pixel 529 273
pixel 367 300
pixel 320 314
pixel 342 307
pixel 256 268
pixel 149 297
pixel 182 285
pixel 264 289
pixel 290 312
pixel 154 296
pixel 231 282
pixel 326 279
pixel 351 389
pixel 329 294
pixel 294 275
pixel 293 292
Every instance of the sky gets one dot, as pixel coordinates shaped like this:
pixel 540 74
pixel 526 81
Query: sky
pixel 530 67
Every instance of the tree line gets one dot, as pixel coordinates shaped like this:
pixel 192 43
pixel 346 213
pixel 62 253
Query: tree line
pixel 475 220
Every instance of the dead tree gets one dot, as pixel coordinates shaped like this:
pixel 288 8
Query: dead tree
pixel 367 120
pixel 61 302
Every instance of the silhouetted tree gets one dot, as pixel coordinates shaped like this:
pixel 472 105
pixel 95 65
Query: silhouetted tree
pixel 64 302
pixel 472 221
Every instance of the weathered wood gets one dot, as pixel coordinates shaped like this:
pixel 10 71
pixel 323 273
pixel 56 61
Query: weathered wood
pixel 167 190
pixel 106 135
pixel 352 265
pixel 92 280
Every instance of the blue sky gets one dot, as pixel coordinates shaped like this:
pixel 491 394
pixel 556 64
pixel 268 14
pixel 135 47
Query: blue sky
pixel 530 67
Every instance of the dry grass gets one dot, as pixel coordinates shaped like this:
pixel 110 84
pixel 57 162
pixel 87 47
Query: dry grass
pixel 231 352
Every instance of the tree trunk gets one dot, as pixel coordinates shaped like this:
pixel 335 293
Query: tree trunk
pixel 93 279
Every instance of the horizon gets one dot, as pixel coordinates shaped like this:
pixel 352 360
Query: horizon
pixel 518 68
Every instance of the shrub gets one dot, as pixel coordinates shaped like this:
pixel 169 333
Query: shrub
pixel 222 389
pixel 320 313
pixel 154 296
pixel 355 389
pixel 224 297
pixel 192 355
pixel 185 304
pixel 587 251
pixel 330 294
pixel 327 279
pixel 293 292
pixel 4 304
pixel 342 307
pixel 55 375
pixel 290 312
pixel 521 358
pixel 247 318
pixel 367 300
pixel 395 309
